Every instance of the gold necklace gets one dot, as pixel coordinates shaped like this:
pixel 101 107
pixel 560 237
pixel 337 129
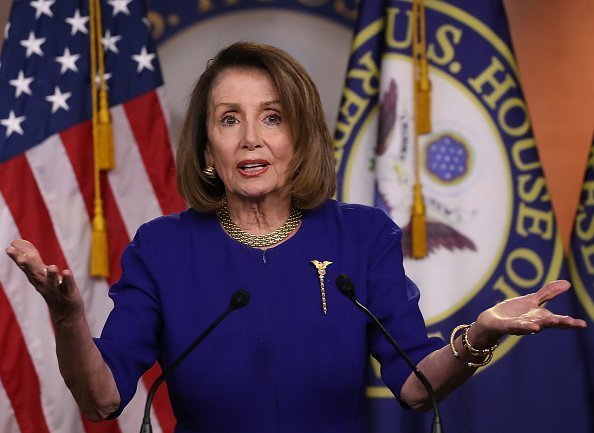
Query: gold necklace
pixel 259 241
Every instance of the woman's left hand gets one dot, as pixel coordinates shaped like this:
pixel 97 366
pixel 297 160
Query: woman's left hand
pixel 525 314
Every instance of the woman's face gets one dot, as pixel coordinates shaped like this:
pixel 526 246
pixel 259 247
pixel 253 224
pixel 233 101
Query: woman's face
pixel 248 140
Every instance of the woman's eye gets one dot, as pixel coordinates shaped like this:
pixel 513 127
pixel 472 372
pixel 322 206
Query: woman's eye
pixel 273 119
pixel 229 120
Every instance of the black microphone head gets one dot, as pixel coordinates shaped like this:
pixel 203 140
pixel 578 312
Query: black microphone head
pixel 346 286
pixel 240 299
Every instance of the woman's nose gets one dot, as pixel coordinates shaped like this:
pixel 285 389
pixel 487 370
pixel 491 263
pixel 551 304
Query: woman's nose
pixel 251 138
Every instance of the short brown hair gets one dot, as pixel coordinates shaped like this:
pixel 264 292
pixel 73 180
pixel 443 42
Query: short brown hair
pixel 312 180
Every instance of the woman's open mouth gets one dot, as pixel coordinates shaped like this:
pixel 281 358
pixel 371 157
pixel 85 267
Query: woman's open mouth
pixel 253 167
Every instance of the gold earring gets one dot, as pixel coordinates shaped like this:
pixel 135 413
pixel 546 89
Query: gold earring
pixel 209 171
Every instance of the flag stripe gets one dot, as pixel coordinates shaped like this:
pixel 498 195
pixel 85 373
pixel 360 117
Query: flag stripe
pixel 158 159
pixel 8 422
pixel 32 217
pixel 117 235
pixel 166 110
pixel 18 374
pixel 129 182
pixel 78 144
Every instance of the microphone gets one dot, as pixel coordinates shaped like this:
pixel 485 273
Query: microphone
pixel 346 286
pixel 239 300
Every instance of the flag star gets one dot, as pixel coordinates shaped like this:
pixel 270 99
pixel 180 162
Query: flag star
pixel 33 45
pixel 147 22
pixel 58 100
pixel 42 7
pixel 68 61
pixel 106 77
pixel 119 6
pixel 13 124
pixel 78 23
pixel 109 42
pixel 21 84
pixel 144 60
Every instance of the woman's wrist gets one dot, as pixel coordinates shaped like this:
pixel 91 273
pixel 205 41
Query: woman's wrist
pixel 481 338
pixel 71 320
pixel 473 354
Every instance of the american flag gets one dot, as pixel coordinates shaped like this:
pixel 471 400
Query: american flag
pixel 46 190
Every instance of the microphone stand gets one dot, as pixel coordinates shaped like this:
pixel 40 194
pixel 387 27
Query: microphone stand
pixel 346 286
pixel 239 299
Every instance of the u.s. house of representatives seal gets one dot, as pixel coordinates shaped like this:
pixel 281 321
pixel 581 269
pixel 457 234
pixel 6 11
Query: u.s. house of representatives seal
pixel 491 232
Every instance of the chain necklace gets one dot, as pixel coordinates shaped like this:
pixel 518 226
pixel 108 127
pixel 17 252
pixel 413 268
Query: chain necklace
pixel 259 241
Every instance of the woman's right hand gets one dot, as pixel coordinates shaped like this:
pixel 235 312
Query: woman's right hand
pixel 57 288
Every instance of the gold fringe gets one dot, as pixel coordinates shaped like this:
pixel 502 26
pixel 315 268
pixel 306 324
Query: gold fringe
pixel 99 250
pixel 418 226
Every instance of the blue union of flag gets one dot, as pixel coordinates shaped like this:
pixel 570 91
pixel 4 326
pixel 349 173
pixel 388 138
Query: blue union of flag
pixel 491 232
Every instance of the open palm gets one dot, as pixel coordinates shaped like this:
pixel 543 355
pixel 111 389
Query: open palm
pixel 526 314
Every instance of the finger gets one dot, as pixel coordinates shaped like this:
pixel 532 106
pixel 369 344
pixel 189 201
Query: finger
pixel 551 290
pixel 560 321
pixel 53 277
pixel 23 246
pixel 14 253
pixel 67 285
pixel 26 256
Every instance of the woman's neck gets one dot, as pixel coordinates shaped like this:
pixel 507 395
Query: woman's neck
pixel 259 216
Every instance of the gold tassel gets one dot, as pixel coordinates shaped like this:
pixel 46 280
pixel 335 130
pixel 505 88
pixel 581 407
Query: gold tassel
pixel 104 135
pixel 99 251
pixel 418 226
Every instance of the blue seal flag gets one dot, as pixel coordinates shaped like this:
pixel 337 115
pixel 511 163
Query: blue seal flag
pixel 489 226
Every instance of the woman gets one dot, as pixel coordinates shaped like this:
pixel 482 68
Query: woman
pixel 255 164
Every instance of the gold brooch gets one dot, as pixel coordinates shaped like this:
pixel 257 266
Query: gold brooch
pixel 321 267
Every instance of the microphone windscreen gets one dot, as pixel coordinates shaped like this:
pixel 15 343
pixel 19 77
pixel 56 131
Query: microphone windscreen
pixel 346 286
pixel 240 299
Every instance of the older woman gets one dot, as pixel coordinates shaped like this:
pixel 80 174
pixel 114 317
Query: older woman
pixel 255 164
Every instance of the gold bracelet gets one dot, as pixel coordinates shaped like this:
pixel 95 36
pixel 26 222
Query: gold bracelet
pixel 474 351
pixel 487 353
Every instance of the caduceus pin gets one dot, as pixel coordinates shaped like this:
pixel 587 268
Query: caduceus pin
pixel 321 268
